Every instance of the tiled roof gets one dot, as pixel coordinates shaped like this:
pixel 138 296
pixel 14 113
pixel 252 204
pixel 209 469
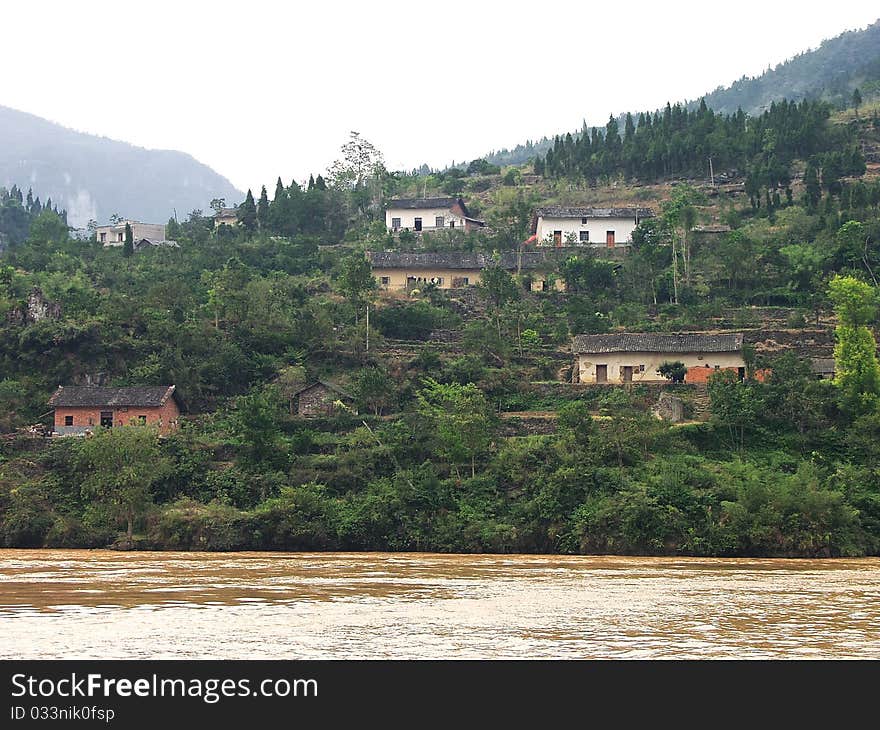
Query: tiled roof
pixel 421 203
pixel 657 342
pixel 462 260
pixel 327 384
pixel 559 211
pixel 94 396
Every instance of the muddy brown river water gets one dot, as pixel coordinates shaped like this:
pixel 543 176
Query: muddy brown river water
pixel 77 604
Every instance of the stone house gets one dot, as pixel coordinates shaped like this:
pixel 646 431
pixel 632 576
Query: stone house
pixel 81 409
pixel 595 227
pixel 429 214
pixel 395 271
pixel 636 357
pixel 319 399
pixel 114 234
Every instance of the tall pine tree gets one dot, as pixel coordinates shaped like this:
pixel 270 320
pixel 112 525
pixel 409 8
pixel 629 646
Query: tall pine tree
pixel 247 212
pixel 263 210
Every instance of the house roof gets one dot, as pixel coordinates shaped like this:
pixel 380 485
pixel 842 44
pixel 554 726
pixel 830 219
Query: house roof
pixel 429 203
pixel 657 342
pixel 226 212
pixel 421 203
pixel 330 386
pixel 559 211
pixel 93 396
pixel 463 260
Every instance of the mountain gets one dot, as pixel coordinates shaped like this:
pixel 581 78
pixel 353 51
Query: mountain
pixel 94 177
pixel 830 72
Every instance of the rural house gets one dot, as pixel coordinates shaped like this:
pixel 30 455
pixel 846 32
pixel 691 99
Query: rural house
pixel 635 358
pixel 226 217
pixel 396 271
pixel 81 409
pixel 318 399
pixel 429 214
pixel 114 234
pixel 597 227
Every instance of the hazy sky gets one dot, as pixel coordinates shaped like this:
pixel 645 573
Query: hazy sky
pixel 262 89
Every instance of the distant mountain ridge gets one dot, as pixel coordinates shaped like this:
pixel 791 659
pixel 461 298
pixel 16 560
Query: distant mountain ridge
pixel 830 72
pixel 94 177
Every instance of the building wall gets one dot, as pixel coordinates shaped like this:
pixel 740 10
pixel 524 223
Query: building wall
pixel 700 362
pixel 428 216
pixel 449 278
pixel 225 220
pixel 115 235
pixel 167 418
pixel 397 278
pixel 597 227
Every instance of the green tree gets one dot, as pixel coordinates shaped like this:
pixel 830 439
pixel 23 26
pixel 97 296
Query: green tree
pixel 456 419
pixel 857 371
pixel 263 210
pixel 812 189
pixel 356 280
pixel 255 426
pixel 374 389
pixel 121 465
pixel 674 371
pixel 735 405
pixel 128 244
pixel 247 212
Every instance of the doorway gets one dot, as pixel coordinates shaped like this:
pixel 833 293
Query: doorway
pixel 627 373
pixel 609 238
pixel 417 224
pixel 557 238
pixel 107 419
pixel 601 373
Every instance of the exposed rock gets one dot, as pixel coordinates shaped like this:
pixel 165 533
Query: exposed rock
pixel 669 408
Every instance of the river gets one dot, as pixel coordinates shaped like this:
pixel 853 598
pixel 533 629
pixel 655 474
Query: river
pixel 80 604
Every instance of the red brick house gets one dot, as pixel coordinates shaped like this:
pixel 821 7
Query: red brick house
pixel 81 409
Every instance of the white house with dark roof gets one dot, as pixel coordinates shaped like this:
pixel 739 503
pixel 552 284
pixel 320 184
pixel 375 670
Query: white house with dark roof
pixel 429 214
pixel 636 357
pixel 114 234
pixel 572 226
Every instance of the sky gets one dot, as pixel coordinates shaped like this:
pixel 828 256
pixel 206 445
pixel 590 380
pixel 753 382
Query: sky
pixel 258 90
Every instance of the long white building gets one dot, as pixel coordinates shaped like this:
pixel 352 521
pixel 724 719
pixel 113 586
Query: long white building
pixel 570 226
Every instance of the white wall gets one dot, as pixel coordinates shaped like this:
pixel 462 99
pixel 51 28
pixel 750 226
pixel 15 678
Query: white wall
pixel 428 215
pixel 651 361
pixel 622 227
pixel 115 235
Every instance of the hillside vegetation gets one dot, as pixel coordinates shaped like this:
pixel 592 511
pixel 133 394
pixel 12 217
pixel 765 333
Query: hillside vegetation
pixel 830 73
pixel 241 317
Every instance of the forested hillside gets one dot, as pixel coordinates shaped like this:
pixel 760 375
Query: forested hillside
pixel 468 434
pixel 832 73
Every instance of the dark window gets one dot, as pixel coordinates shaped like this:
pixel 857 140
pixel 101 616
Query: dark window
pixel 439 221
pixel 395 224
pixel 583 221
pixel 107 419
pixel 68 420
pixel 417 224
pixel 386 280
pixel 142 420
pixel 452 224
pixel 585 236
pixel 103 238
